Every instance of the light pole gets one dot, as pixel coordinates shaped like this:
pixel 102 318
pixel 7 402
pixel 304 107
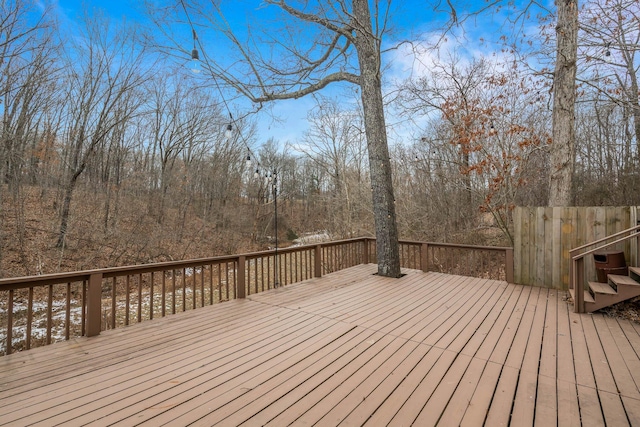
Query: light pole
pixel 274 186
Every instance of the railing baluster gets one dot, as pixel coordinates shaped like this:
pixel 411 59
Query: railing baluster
pixel 163 298
pixel 83 330
pixel 195 291
pixel 255 273
pixel 139 297
pixel 173 291
pixel 114 285
pixel 184 289
pixel 9 323
pixel 151 297
pixel 226 284
pixel 49 313
pixel 30 317
pixel 210 284
pixel 127 300
pixel 67 319
pixel 202 286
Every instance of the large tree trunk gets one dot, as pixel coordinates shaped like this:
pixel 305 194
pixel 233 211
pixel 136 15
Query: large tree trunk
pixel 382 185
pixel 564 100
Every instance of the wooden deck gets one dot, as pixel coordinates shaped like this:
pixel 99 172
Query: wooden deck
pixel 350 348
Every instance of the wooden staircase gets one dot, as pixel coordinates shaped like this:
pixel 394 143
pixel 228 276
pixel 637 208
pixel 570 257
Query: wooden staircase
pixel 618 288
pixel 590 296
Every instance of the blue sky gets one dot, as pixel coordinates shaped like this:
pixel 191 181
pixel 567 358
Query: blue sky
pixel 414 19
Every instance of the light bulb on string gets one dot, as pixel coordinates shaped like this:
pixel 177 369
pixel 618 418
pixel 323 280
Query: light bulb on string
pixel 229 132
pixel 249 160
pixel 256 174
pixel 195 56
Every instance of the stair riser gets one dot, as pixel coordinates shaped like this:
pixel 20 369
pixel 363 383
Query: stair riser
pixel 602 301
pixel 625 292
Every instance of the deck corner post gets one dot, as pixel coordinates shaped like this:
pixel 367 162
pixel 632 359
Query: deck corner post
pixel 365 251
pixel 578 286
pixel 424 257
pixel 509 270
pixel 94 305
pixel 317 261
pixel 241 278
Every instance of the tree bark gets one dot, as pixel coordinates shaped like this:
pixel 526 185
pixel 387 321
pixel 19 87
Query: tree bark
pixel 564 100
pixel 66 205
pixel 380 166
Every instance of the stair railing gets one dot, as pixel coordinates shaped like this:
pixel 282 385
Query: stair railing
pixel 577 255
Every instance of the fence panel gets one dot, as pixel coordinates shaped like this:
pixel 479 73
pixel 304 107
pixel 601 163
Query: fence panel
pixel 544 236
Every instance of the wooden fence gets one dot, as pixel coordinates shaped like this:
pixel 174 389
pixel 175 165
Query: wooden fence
pixel 544 236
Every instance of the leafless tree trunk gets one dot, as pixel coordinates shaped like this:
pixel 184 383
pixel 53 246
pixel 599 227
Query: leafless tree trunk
pixel 564 100
pixel 384 210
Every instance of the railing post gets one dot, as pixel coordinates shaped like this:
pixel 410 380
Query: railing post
pixel 365 251
pixel 424 257
pixel 508 261
pixel 578 286
pixel 241 278
pixel 317 261
pixel 94 305
pixel 637 248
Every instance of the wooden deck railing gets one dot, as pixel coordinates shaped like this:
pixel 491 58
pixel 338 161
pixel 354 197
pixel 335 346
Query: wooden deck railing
pixel 577 279
pixel 39 310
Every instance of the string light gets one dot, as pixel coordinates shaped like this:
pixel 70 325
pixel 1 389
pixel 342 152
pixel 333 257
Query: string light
pixel 195 57
pixel 229 132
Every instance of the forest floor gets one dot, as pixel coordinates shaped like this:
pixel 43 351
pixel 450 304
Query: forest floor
pixel 129 235
pixel 629 310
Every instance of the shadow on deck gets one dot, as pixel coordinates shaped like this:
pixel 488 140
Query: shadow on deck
pixel 350 348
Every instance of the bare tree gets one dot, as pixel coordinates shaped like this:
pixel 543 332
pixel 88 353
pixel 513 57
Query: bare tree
pixel 345 46
pixel 27 91
pixel 564 101
pixel 103 71
pixel 609 45
pixel 335 143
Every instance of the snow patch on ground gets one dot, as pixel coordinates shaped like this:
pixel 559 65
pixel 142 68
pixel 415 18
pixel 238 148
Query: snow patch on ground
pixel 312 238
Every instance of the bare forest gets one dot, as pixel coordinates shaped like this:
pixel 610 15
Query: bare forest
pixel 112 153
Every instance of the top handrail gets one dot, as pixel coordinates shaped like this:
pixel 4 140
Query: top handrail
pixel 589 252
pixel 457 245
pixel 595 242
pixel 44 279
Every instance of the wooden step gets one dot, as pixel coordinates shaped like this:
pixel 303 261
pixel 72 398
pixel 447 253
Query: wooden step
pixel 587 296
pixel 634 272
pixel 622 280
pixel 601 288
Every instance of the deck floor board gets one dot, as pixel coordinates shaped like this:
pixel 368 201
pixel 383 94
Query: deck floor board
pixel 350 349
